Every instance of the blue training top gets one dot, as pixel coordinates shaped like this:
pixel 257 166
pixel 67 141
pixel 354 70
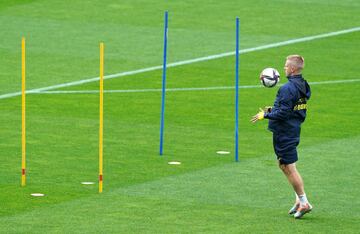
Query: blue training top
pixel 289 110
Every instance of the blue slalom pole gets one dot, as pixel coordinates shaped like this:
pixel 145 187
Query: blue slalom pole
pixel 237 91
pixel 163 84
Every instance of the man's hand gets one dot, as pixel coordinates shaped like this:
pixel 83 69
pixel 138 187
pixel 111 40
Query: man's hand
pixel 267 109
pixel 258 116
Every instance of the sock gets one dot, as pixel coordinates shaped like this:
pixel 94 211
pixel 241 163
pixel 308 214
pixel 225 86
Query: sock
pixel 303 199
pixel 297 200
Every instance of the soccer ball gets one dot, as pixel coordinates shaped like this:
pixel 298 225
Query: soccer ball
pixel 269 77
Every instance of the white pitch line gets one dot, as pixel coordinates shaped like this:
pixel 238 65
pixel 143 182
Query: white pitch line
pixel 184 89
pixel 137 90
pixel 206 58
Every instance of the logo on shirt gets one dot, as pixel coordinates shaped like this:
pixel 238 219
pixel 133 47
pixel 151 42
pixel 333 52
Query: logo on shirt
pixel 300 104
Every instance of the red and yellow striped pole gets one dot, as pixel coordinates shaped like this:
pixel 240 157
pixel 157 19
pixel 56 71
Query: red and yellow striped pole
pixel 23 109
pixel 101 117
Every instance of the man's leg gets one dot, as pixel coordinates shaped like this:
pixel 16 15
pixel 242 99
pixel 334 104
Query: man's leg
pixel 296 181
pixel 294 177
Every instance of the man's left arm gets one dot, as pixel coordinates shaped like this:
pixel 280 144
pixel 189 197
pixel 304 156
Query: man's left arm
pixel 286 105
pixel 285 99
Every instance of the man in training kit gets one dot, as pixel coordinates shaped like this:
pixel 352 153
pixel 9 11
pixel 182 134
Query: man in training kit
pixel 285 119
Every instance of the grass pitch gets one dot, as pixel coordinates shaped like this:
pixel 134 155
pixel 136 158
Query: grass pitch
pixel 207 192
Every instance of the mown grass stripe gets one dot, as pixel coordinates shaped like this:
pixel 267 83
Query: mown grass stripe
pixel 190 61
pixel 182 89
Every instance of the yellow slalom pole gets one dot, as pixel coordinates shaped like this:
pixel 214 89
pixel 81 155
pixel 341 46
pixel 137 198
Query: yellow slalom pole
pixel 101 117
pixel 23 109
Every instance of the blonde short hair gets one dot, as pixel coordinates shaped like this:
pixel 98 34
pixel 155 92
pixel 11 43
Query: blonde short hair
pixel 297 61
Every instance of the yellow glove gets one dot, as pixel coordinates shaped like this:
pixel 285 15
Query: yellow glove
pixel 258 116
pixel 261 114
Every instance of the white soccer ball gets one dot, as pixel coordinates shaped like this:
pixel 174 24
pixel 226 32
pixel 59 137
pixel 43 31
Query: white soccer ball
pixel 269 77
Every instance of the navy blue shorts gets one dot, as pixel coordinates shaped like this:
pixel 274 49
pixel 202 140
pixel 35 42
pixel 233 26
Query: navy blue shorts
pixel 285 147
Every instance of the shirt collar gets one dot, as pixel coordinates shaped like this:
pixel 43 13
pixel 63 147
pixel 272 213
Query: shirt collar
pixel 294 76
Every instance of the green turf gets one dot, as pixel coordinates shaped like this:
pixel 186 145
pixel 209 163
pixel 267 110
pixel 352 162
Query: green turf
pixel 207 192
